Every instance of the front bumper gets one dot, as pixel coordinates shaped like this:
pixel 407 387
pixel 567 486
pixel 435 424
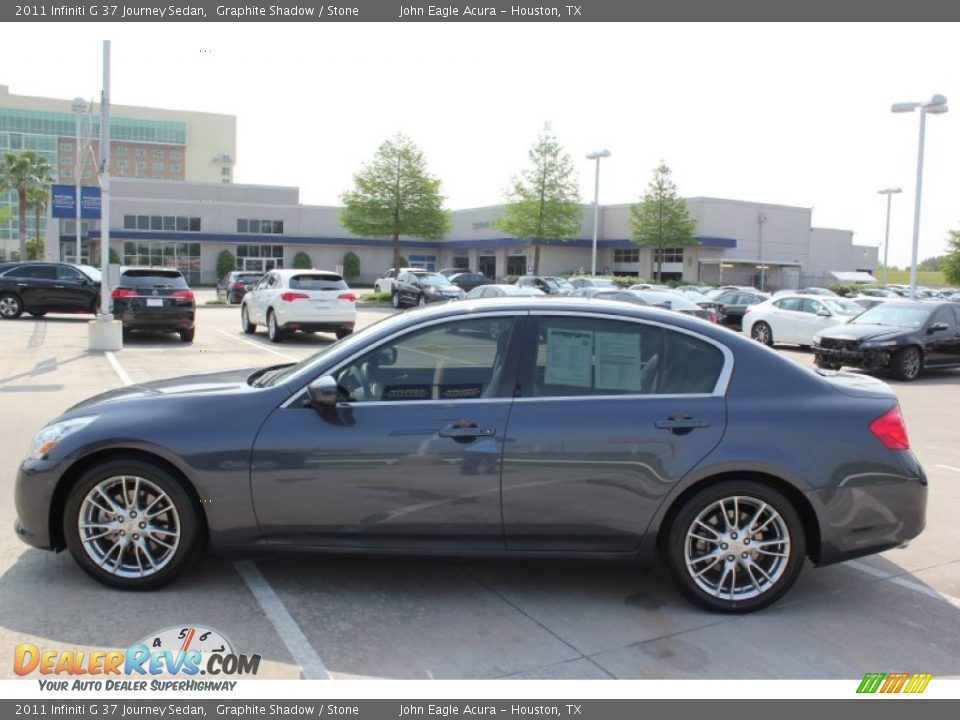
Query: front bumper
pixel 33 497
pixel 866 359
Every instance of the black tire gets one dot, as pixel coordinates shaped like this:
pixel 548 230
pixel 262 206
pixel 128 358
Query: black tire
pixel 10 306
pixel 762 333
pixel 248 327
pixel 186 336
pixel 751 495
pixel 274 331
pixel 37 313
pixel 186 511
pixel 422 301
pixel 907 363
pixel 395 299
pixel 343 332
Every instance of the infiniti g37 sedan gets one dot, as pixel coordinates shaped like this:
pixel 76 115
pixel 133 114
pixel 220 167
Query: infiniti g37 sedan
pixel 504 426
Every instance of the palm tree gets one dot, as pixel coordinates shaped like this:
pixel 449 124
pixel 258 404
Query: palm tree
pixel 22 171
pixel 37 199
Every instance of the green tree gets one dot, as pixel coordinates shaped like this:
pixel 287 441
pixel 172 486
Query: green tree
pixel 661 219
pixel 226 262
pixel 21 172
pixel 931 264
pixel 113 258
pixel 543 202
pixel 394 195
pixel 950 264
pixel 37 199
pixel 302 261
pixel 351 265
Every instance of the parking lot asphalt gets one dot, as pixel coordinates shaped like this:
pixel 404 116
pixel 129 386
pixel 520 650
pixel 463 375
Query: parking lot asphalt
pixel 315 616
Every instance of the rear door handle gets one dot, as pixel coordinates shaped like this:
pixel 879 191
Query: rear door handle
pixel 463 431
pixel 681 424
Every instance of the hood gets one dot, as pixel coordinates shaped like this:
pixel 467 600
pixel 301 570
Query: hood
pixel 218 381
pixel 853 331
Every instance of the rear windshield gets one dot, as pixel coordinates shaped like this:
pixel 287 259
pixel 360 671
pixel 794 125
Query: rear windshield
pixel 248 278
pixel 316 281
pixel 153 279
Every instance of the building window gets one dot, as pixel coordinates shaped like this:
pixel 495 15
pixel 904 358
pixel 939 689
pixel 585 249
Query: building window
pixel 194 224
pixel 259 258
pixel 122 150
pixel 158 166
pixel 140 152
pixel 225 171
pixel 158 153
pixel 427 262
pixel 141 165
pixel 66 160
pixel 156 222
pixel 158 176
pixel 169 222
pixel 668 255
pixel 66 147
pixel 175 167
pixel 266 227
pixel 129 222
pixel 628 255
pixel 242 226
pixel 184 256
pixel 122 164
pixel 66 173
pixel 176 155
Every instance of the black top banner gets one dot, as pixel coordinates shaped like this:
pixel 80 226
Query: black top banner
pixel 482 11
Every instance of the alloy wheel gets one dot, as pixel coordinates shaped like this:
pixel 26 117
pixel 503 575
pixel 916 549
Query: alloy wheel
pixel 761 333
pixel 10 307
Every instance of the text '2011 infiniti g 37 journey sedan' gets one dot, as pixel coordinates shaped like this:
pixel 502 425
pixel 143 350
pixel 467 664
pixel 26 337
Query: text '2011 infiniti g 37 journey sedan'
pixel 580 428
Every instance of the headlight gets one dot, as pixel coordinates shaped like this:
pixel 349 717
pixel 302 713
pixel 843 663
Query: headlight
pixel 880 344
pixel 431 290
pixel 47 439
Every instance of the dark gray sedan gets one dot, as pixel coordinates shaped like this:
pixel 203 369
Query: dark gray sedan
pixel 510 427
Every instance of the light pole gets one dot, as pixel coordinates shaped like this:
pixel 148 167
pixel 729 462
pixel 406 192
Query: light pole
pixel 936 105
pixel 761 219
pixel 889 192
pixel 79 108
pixel 596 206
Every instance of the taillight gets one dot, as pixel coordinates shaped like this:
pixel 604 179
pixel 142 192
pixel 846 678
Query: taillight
pixel 187 294
pixel 713 318
pixel 291 296
pixel 237 286
pixel 122 293
pixel 347 296
pixel 891 430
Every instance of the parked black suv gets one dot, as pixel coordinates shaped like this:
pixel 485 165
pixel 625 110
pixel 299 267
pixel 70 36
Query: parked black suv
pixel 237 284
pixel 902 336
pixel 41 287
pixel 156 299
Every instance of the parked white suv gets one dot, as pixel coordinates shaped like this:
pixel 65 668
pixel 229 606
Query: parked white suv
pixel 307 300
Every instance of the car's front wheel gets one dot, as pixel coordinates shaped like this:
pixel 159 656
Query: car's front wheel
pixel 10 306
pixel 248 327
pixel 906 364
pixel 130 524
pixel 736 546
pixel 421 301
pixel 762 333
pixel 395 299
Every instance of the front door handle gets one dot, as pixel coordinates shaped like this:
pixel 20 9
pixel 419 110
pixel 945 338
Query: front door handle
pixel 465 430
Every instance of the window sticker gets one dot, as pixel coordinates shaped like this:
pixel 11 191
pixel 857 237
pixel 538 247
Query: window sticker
pixel 569 357
pixel 618 361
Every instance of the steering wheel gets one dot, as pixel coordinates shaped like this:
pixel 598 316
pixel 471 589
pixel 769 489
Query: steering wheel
pixel 351 379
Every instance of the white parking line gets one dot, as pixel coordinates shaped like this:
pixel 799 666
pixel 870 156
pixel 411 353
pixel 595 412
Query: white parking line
pixel 300 648
pixel 115 364
pixel 258 346
pixel 948 467
pixel 904 583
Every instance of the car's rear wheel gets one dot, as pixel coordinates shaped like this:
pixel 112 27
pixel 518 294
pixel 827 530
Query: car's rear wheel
pixel 421 301
pixel 274 332
pixel 10 306
pixel 37 313
pixel 248 327
pixel 343 332
pixel 187 335
pixel 762 333
pixel 736 546
pixel 906 364
pixel 130 524
pixel 395 299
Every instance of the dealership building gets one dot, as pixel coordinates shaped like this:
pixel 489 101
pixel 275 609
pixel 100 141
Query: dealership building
pixel 174 203
pixel 187 224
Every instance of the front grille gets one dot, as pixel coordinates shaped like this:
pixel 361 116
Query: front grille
pixel 834 344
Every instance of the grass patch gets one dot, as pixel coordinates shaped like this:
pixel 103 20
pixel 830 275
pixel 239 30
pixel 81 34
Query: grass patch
pixel 931 278
pixel 376 297
pixel 215 302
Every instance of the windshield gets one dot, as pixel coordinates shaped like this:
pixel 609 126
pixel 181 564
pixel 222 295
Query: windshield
pixel 907 316
pixel 843 307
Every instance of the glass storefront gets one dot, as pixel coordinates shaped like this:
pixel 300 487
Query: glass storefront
pixel 184 256
pixel 259 258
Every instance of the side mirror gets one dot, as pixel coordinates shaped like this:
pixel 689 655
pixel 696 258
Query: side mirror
pixel 823 312
pixel 937 327
pixel 323 391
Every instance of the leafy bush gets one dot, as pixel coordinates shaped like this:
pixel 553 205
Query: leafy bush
pixel 403 262
pixel 302 261
pixel 376 297
pixel 351 265
pixel 510 279
pixel 842 290
pixel 226 262
pixel 114 258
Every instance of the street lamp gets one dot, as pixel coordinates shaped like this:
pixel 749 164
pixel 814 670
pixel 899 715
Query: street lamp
pixel 596 207
pixel 935 105
pixel 79 109
pixel 761 219
pixel 889 192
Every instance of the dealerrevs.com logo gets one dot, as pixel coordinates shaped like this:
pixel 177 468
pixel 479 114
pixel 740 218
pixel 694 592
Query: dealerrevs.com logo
pixel 187 651
pixel 901 682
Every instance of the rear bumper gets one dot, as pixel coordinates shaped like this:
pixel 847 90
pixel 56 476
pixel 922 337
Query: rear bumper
pixel 868 514
pixel 162 319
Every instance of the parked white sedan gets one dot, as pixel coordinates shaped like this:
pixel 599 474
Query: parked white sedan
pixel 307 300
pixel 796 318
